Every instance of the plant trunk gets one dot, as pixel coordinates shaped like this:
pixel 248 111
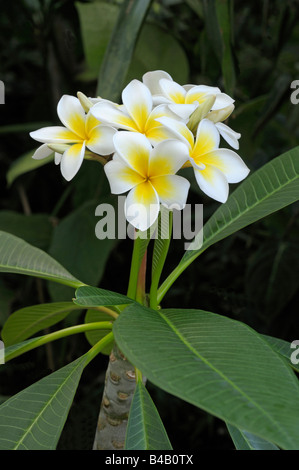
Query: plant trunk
pixel 117 396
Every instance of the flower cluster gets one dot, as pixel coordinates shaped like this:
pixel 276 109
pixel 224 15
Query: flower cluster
pixel 160 128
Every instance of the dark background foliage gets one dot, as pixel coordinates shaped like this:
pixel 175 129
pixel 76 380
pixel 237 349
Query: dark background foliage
pixel 50 48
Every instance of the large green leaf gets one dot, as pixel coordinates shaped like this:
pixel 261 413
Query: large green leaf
pixel 96 23
pixel 224 9
pixel 269 189
pixel 155 47
pixel 246 441
pixel 218 364
pixel 34 418
pixel 29 320
pixel 120 49
pixel 145 429
pixel 88 296
pixel 17 256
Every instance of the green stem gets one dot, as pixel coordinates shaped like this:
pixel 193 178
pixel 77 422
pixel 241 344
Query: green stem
pixel 141 282
pixel 109 311
pixel 139 249
pixel 159 257
pixel 72 330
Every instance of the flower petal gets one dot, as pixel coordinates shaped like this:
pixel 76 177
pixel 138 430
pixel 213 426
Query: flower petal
pixel 72 115
pixel 121 177
pixel 142 206
pixel 57 158
pixel 138 102
pixel 72 160
pixel 207 139
pixel 167 158
pixel 154 130
pixel 200 93
pixel 172 90
pixel 55 134
pixel 134 149
pixel 228 162
pixel 172 190
pixel 222 101
pixel 151 80
pixel 184 111
pixel 101 140
pixel 90 123
pixel 112 114
pixel 212 182
pixel 178 129
pixel 230 136
pixel 42 152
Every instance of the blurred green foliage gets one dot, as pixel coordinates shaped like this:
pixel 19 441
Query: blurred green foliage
pixel 50 48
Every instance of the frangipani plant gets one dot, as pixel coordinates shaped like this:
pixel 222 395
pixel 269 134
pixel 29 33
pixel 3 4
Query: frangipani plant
pixel 218 364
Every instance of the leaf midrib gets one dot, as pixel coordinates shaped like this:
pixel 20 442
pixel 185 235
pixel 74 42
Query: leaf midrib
pixel 28 430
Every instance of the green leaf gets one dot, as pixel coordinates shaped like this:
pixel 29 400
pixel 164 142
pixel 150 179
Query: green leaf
pixel 35 229
pixel 224 16
pixel 212 27
pixel 217 364
pixel 94 336
pixel 17 256
pixel 155 50
pixel 244 440
pixel 80 251
pixel 145 429
pixel 120 49
pixel 269 189
pixel 34 418
pixel 24 164
pixel 88 296
pixel 96 23
pixel 155 47
pixel 29 320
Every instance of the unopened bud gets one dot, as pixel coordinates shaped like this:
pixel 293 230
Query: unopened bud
pixel 59 148
pixel 84 101
pixel 201 112
pixel 220 115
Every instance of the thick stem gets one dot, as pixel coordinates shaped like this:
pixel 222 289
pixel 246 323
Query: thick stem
pixel 119 389
pixel 120 381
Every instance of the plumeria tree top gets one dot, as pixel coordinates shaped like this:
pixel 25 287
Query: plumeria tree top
pixel 159 129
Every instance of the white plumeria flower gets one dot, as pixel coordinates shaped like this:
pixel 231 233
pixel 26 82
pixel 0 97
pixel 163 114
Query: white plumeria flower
pixel 82 131
pixel 184 100
pixel 213 167
pixel 136 114
pixel 149 176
